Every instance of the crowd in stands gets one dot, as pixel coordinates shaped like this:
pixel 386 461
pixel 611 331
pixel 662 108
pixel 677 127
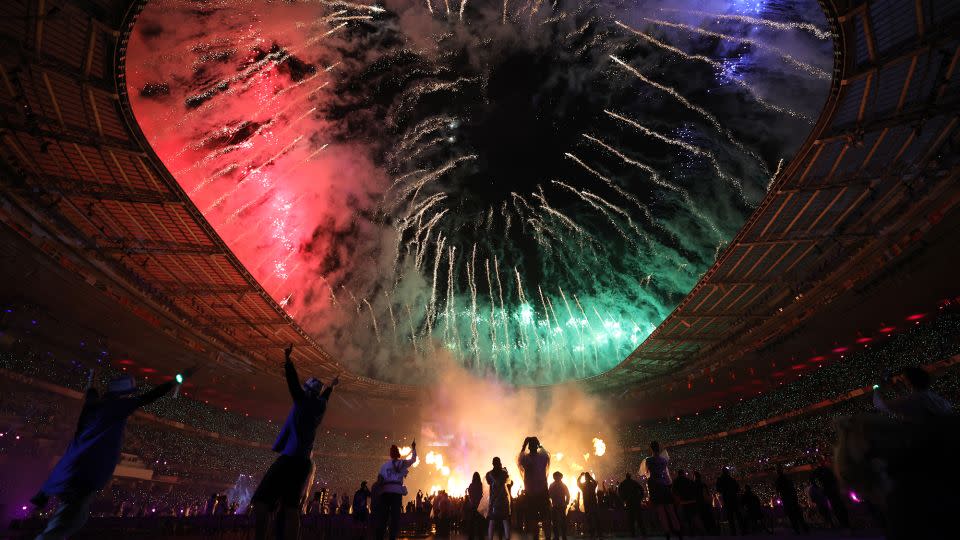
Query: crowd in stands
pixel 932 339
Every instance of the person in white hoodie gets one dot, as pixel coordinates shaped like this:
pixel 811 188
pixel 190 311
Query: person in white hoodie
pixel 390 504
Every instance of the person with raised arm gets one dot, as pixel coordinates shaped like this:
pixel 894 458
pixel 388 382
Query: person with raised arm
pixel 286 479
pixel 390 502
pixel 94 451
pixel 534 460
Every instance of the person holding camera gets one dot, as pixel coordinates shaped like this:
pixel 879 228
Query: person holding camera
pixel 534 460
pixel 919 402
pixel 390 503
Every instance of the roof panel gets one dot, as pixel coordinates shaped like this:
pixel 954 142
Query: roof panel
pixel 894 23
pixel 65 37
pixel 853 158
pixel 850 102
pixel 861 53
pixel 825 161
pixel 925 136
pixel 890 86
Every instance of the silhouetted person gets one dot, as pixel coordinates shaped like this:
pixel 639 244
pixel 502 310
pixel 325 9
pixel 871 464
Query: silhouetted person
pixel 471 509
pixel 791 504
pixel 559 501
pixel 704 506
pixel 533 462
pixel 313 508
pixel 656 467
pixel 498 504
pixel 827 481
pixel 752 511
pixel 919 402
pixel 390 504
pixel 819 499
pixel 360 499
pixel 286 479
pixel 631 493
pixel 93 453
pixel 591 507
pixel 685 492
pixel 729 491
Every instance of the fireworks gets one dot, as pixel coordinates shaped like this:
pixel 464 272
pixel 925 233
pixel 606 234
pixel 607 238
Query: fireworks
pixel 471 185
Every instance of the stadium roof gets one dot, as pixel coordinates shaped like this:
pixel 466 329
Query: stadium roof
pixel 82 182
pixel 78 166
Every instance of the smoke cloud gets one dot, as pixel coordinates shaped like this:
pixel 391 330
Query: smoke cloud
pixel 528 194
pixel 469 420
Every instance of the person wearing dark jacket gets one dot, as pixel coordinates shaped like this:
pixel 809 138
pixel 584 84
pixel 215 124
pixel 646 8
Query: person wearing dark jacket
pixel 285 480
pixel 791 503
pixel 471 504
pixel 704 506
pixel 827 480
pixel 360 499
pixel 93 453
pixel 591 506
pixel 752 511
pixel 631 492
pixel 729 491
pixel 685 492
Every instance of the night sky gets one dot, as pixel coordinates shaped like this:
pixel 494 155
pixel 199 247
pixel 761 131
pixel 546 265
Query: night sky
pixel 529 194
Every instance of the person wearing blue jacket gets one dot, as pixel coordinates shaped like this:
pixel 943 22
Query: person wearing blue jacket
pixel 286 479
pixel 93 453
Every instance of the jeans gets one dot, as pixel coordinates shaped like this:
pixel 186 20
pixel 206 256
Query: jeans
pixel 559 518
pixel 389 512
pixel 69 518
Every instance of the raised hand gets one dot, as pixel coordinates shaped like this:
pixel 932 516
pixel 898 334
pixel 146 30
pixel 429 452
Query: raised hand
pixel 287 352
pixel 335 381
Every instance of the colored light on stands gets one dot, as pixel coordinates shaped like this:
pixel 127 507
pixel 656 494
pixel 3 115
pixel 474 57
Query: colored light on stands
pixel 916 316
pixel 854 497
pixel 864 340
pixel 818 359
pixel 888 329
pixel 876 386
pixel 179 378
pixel 840 349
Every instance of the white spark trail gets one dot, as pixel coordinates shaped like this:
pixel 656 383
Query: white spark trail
pixel 599 208
pixel 253 171
pixel 373 316
pixel 654 176
pixel 719 66
pixel 803 66
pixel 709 156
pixel 643 208
pixel 776 25
pixel 699 110
pixel 572 225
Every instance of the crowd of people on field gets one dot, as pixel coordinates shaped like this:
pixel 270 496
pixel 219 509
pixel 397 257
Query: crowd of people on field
pixel 872 457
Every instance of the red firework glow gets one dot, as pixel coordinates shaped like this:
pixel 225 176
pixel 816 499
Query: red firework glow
pixel 235 121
